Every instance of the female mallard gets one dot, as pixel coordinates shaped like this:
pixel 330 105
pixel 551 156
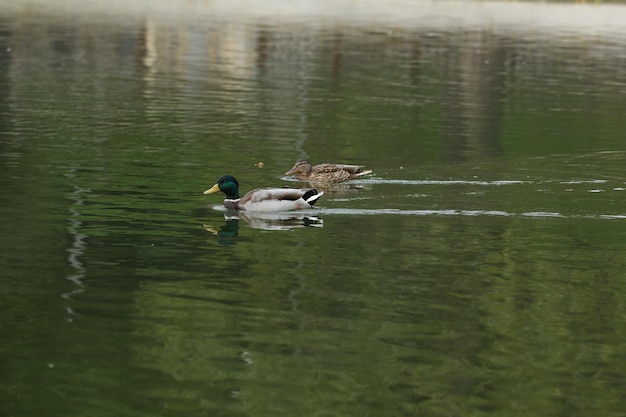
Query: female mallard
pixel 264 199
pixel 303 170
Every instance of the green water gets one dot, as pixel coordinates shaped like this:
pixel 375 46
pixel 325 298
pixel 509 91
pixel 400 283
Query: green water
pixel 479 271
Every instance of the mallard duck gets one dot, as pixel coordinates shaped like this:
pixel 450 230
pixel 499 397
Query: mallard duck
pixel 264 199
pixel 303 170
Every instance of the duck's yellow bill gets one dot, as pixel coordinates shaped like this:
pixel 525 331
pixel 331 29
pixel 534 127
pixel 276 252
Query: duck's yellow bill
pixel 213 189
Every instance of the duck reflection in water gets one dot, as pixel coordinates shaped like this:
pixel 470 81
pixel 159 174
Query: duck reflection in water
pixel 263 221
pixel 335 188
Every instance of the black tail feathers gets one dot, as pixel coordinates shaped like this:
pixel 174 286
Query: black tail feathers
pixel 311 196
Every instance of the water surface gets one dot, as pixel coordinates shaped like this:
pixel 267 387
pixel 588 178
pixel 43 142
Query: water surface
pixel 478 271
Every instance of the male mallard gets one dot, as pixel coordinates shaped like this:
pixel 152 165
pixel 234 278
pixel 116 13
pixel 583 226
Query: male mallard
pixel 264 199
pixel 326 172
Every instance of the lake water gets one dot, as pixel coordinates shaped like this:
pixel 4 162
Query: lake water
pixel 479 271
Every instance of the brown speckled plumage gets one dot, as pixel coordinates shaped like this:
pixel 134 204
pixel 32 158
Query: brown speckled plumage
pixel 303 170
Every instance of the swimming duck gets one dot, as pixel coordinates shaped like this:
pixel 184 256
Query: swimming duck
pixel 264 199
pixel 303 170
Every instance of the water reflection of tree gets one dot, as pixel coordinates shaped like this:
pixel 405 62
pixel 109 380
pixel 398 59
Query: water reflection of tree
pixel 472 96
pixel 348 90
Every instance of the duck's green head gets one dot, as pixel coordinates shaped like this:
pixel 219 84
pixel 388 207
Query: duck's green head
pixel 226 184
